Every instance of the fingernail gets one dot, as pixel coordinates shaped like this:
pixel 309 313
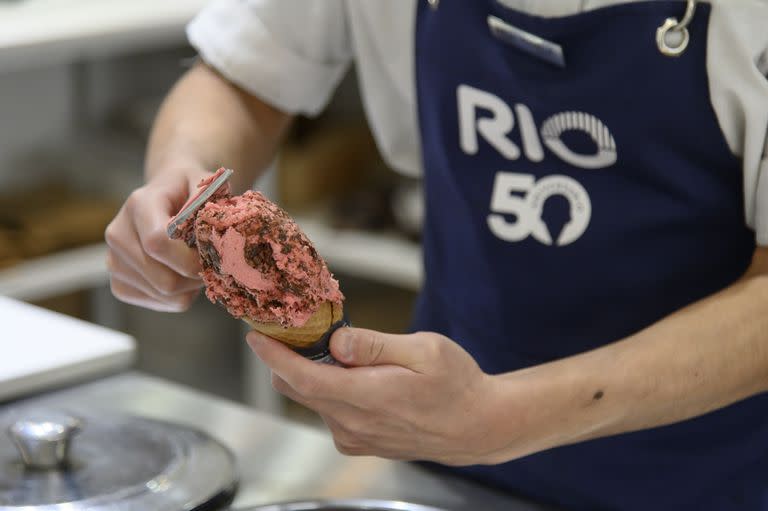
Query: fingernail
pixel 342 344
pixel 255 339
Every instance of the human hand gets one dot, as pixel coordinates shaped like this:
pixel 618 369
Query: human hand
pixel 146 268
pixel 406 397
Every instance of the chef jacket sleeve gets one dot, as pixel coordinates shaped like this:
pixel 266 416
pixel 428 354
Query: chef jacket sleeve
pixel 761 187
pixel 761 200
pixel 737 63
pixel 290 53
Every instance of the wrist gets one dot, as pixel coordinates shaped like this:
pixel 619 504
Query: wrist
pixel 550 405
pixel 514 412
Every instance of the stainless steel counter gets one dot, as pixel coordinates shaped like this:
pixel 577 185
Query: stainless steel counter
pixel 278 460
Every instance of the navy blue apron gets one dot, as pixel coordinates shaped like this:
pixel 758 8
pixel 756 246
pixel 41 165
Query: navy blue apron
pixel 569 207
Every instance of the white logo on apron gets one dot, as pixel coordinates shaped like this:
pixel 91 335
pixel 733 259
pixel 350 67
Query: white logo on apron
pixel 519 194
pixel 524 197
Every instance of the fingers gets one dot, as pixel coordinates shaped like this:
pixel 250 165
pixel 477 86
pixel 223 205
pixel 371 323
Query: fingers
pixel 321 406
pixel 359 443
pixel 163 279
pixel 125 247
pixel 309 379
pixel 355 386
pixel 283 388
pixel 131 295
pixel 131 287
pixel 349 427
pixel 147 268
pixel 126 250
pixel 150 225
pixel 361 347
pixel 345 441
pixel 148 211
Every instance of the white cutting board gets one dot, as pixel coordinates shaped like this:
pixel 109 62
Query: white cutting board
pixel 40 349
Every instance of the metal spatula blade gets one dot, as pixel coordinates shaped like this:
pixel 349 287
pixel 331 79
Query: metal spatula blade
pixel 199 200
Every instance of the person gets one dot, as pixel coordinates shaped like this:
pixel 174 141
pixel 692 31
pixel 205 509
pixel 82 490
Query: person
pixel 616 360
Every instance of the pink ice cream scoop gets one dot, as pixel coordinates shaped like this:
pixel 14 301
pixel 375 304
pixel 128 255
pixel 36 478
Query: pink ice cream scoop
pixel 260 266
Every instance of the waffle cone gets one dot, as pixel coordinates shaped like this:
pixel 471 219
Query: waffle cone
pixel 305 335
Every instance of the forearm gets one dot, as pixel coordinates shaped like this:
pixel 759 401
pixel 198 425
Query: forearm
pixel 207 122
pixel 701 358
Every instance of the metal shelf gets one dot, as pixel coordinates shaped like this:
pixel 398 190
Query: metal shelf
pixel 380 257
pixel 383 258
pixel 42 32
pixel 56 274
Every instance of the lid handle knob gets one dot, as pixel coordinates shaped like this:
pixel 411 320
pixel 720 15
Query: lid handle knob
pixel 44 440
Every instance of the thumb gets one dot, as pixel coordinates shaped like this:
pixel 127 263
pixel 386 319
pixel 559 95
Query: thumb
pixel 361 347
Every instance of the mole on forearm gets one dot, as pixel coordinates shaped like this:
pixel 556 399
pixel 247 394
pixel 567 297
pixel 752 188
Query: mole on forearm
pixel 598 395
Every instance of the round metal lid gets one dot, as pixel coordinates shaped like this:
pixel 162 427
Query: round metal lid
pixel 55 461
pixel 344 505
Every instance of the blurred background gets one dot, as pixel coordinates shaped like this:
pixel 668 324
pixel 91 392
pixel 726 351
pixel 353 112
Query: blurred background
pixel 80 82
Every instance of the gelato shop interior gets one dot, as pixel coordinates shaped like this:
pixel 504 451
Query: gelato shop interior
pixel 378 255
pixel 143 390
